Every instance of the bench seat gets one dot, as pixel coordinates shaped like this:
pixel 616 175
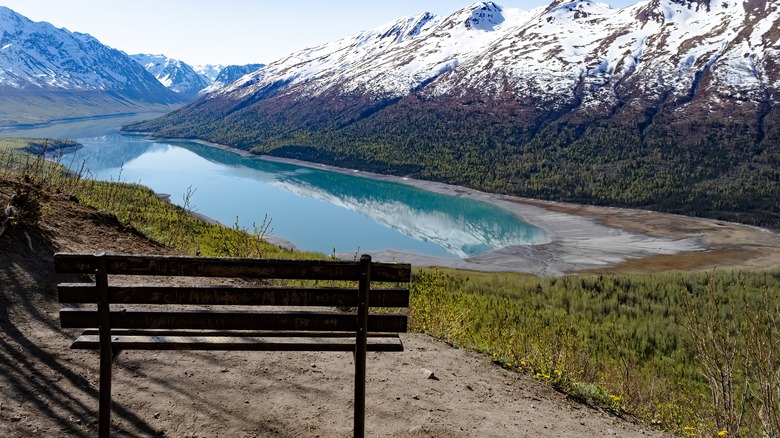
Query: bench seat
pixel 237 341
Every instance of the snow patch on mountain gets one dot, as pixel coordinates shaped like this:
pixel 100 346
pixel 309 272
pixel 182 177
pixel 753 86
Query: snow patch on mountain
pixel 174 74
pixel 485 16
pixel 209 72
pixel 229 75
pixel 570 53
pixel 39 56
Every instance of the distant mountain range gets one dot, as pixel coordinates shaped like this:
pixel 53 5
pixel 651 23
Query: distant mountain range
pixel 174 74
pixel 209 71
pixel 192 81
pixel 666 104
pixel 48 73
pixel 230 74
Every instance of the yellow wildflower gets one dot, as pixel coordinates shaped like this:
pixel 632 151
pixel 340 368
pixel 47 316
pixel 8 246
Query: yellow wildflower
pixel 723 432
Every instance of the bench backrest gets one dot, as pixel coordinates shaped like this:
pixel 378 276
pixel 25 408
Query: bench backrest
pixel 358 274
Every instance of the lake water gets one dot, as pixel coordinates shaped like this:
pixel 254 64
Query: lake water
pixel 316 210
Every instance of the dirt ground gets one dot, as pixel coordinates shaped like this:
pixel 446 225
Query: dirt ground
pixel 46 389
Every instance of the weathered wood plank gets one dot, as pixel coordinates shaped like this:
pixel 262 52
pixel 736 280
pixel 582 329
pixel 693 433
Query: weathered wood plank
pixel 242 343
pixel 232 295
pixel 225 320
pixel 158 265
pixel 238 333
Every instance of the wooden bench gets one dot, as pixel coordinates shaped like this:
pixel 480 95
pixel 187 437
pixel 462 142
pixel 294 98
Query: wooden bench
pixel 158 322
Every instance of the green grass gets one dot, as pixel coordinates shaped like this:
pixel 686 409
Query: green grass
pixel 139 207
pixel 29 107
pixel 625 342
pixel 35 146
pixel 7 143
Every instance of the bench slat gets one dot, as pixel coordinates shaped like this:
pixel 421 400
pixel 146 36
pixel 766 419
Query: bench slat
pixel 225 320
pixel 239 333
pixel 238 343
pixel 232 295
pixel 121 264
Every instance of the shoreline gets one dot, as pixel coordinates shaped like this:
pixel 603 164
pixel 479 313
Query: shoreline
pixel 583 238
pixel 278 241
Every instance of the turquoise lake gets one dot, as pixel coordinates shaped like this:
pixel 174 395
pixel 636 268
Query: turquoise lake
pixel 314 209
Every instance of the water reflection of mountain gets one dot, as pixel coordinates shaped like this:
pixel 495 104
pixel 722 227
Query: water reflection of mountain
pixel 462 227
pixel 213 154
pixel 110 152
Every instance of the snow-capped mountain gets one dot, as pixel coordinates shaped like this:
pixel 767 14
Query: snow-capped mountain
pixel 209 72
pixel 660 46
pixel 192 81
pixel 230 74
pixel 38 55
pixel 665 104
pixel 571 57
pixel 174 74
pixel 37 58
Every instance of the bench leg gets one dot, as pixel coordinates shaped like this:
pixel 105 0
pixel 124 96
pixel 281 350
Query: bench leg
pixel 104 426
pixel 360 346
pixel 106 351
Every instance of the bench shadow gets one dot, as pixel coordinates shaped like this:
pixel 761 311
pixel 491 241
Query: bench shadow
pixel 36 375
pixel 47 383
pixel 214 361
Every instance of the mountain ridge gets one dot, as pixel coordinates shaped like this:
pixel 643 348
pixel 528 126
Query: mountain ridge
pixel 42 67
pixel 173 74
pixel 192 81
pixel 230 74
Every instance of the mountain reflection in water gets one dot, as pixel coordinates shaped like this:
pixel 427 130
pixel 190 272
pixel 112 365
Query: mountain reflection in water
pixel 227 183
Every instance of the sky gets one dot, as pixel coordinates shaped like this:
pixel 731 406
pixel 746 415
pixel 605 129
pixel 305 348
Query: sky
pixel 228 32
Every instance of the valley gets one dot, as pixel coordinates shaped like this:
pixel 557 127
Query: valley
pixel 432 232
pixel 589 197
pixel 664 105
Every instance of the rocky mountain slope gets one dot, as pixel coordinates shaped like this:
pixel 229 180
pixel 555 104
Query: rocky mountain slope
pixel 174 74
pixel 43 67
pixel 191 81
pixel 208 71
pixel 666 104
pixel 230 74
pixel 571 53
